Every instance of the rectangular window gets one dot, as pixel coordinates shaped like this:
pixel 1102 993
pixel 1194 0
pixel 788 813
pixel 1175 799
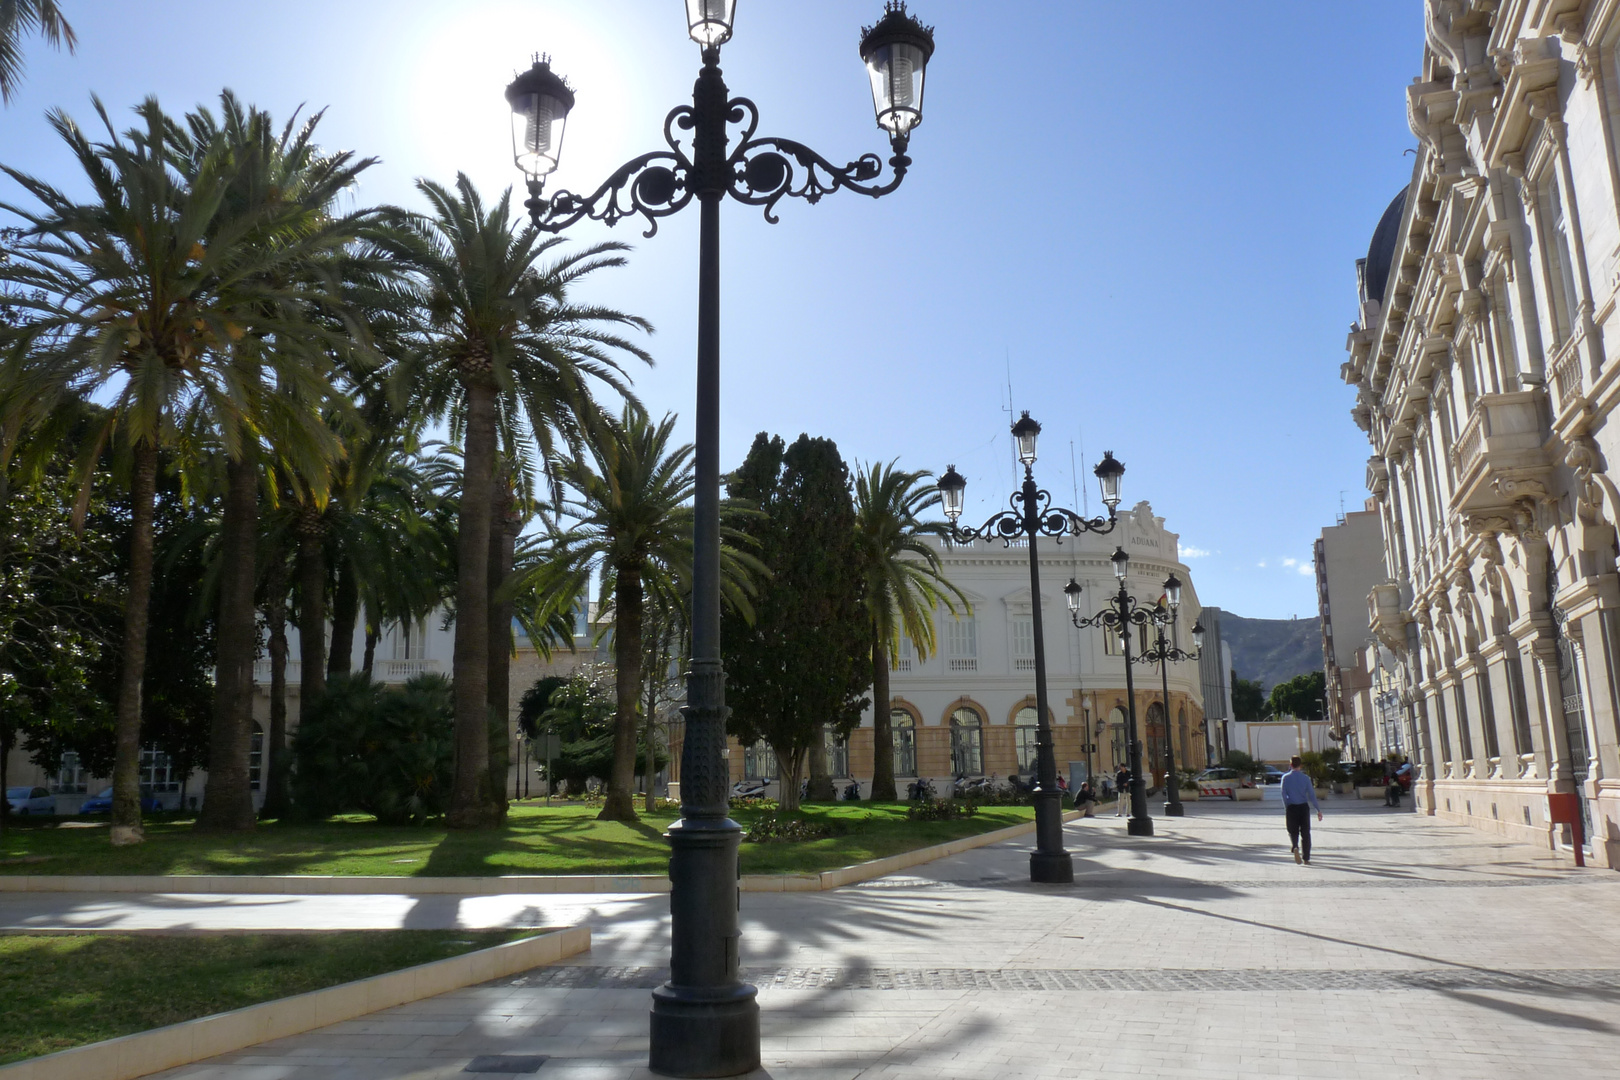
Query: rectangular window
pixel 1561 290
pixel 904 657
pixel 1444 728
pixel 904 732
pixel 71 778
pixel 1465 737
pixel 157 773
pixel 1112 645
pixel 962 644
pixel 1521 707
pixel 1023 643
pixel 837 754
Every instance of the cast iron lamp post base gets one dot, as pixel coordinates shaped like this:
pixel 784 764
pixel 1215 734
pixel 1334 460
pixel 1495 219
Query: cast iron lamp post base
pixel 1174 809
pixel 1049 864
pixel 1139 826
pixel 711 1029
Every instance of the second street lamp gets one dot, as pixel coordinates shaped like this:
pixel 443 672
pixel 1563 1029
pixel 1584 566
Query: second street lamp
pixel 1033 516
pixel 1163 651
pixel 705 1019
pixel 1117 617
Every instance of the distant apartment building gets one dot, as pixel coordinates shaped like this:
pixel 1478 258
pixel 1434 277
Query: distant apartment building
pixel 1349 564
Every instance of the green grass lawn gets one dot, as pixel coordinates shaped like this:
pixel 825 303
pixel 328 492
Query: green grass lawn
pixel 65 991
pixel 536 840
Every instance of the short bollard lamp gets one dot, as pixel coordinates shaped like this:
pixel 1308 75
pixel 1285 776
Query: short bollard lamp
pixel 1032 516
pixel 705 1019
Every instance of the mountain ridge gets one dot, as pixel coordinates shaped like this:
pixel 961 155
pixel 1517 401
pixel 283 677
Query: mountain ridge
pixel 1272 650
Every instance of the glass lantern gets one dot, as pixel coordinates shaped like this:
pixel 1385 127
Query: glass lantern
pixel 1108 472
pixel 1071 594
pixel 896 52
pixel 1121 561
pixel 709 22
pixel 1025 432
pixel 951 487
pixel 540 102
pixel 1172 589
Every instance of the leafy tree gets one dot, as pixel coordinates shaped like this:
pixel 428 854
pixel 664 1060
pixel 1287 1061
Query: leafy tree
pixel 379 750
pixel 1299 697
pixel 801 664
pixel 1248 700
pixel 903 583
pixel 503 339
pixel 57 613
pixel 1244 764
pixel 581 712
pixel 20 17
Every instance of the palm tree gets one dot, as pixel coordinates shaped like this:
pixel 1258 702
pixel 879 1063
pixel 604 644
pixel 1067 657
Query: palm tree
pixel 503 339
pixel 19 17
pixel 278 376
pixel 154 297
pixel 904 584
pixel 633 527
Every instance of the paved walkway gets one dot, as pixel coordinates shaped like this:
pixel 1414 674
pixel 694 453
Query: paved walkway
pixel 1409 948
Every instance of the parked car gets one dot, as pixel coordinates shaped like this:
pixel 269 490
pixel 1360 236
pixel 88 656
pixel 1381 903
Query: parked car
pixel 26 801
pixel 1274 775
pixel 102 804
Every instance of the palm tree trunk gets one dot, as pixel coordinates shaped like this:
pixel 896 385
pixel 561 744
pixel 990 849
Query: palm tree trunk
pixel 651 712
pixel 470 802
pixel 502 551
pixel 882 733
pixel 311 608
pixel 227 799
pixel 627 618
pixel 273 764
pixel 369 658
pixel 126 806
pixel 345 616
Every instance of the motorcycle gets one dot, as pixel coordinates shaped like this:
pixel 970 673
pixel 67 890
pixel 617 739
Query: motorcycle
pixel 853 792
pixel 748 789
pixel 972 787
pixel 920 790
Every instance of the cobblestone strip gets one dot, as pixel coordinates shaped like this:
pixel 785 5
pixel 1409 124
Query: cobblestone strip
pixel 1197 981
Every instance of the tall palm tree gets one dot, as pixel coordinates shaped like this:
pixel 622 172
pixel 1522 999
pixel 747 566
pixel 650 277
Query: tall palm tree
pixel 144 297
pixel 279 374
pixel 629 499
pixel 502 338
pixel 904 583
pixel 19 17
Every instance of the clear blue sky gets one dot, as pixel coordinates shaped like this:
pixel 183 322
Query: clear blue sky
pixel 1144 218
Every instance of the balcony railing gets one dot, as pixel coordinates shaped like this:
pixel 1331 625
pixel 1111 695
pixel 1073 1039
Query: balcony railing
pixel 1024 663
pixel 1566 373
pixel 963 663
pixel 261 671
pixel 400 670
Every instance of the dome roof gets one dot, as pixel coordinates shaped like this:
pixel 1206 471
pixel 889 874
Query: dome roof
pixel 1381 252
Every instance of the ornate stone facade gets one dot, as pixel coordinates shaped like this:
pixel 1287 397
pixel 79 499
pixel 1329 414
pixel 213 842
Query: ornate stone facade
pixel 1482 363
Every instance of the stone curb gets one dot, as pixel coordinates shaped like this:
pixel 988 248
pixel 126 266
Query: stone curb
pixel 162 1048
pixel 515 884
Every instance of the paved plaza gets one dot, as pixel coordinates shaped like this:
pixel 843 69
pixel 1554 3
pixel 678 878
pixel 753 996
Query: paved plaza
pixel 1410 947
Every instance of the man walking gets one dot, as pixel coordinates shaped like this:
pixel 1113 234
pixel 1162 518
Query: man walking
pixel 1299 799
pixel 1122 784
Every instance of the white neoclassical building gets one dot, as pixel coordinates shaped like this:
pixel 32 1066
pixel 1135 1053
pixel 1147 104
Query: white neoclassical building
pixel 1483 356
pixel 969 707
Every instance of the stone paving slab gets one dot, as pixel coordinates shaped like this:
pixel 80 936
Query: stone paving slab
pixel 1411 947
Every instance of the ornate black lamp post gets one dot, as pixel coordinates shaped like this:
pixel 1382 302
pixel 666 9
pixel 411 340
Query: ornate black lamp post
pixel 1163 651
pixel 1032 516
pixel 705 1020
pixel 1120 614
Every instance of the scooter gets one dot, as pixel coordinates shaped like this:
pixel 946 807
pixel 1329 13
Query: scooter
pixel 748 789
pixel 970 787
pixel 921 790
pixel 853 792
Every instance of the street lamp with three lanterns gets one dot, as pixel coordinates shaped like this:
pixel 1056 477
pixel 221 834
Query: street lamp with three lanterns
pixel 705 1019
pixel 1118 616
pixel 1030 517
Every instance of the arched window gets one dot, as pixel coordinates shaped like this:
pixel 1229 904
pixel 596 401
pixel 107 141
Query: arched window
pixel 837 753
pixel 1027 730
pixel 1116 735
pixel 1155 741
pixel 759 762
pixel 967 754
pixel 903 728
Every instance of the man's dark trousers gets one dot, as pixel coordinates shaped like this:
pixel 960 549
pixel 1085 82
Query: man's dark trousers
pixel 1299 827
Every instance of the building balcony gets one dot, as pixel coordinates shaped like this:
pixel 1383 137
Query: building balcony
pixel 1500 445
pixel 1386 617
pixel 387 671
